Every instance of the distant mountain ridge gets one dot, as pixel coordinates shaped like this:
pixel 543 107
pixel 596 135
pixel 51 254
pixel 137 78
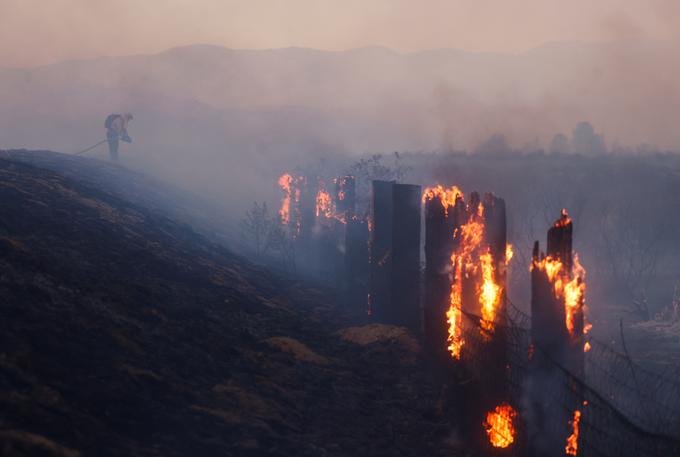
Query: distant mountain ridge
pixel 203 110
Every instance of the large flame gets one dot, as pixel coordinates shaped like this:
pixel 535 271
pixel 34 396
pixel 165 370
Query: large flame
pixel 572 441
pixel 471 259
pixel 499 426
pixel 469 237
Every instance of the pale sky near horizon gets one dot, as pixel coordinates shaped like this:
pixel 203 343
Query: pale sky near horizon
pixel 36 32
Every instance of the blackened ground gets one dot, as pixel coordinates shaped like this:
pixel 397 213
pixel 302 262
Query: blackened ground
pixel 124 332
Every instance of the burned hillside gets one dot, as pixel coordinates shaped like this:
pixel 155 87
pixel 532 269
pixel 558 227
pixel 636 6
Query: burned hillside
pixel 124 332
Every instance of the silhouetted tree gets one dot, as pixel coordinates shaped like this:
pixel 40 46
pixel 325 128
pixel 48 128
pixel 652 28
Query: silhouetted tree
pixel 366 170
pixel 633 250
pixel 495 145
pixel 256 228
pixel 559 144
pixel 585 141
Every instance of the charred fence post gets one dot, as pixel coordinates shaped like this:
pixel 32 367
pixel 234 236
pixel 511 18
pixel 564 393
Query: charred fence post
pixel 381 249
pixel 395 254
pixel 355 268
pixel 557 350
pixel 345 197
pixel 405 305
pixel 356 264
pixel 304 223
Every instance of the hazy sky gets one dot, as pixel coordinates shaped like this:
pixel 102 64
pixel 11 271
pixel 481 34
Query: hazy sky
pixel 34 32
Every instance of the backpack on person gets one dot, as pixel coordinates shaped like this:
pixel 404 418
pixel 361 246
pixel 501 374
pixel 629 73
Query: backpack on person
pixel 109 120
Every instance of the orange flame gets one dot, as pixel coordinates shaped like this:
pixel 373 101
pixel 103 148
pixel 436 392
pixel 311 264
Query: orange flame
pixel 572 441
pixel 454 314
pixel 472 256
pixel 499 426
pixel 508 253
pixel 489 294
pixel 448 197
pixel 570 291
pixel 574 293
pixel 564 219
pixel 285 182
pixel 470 236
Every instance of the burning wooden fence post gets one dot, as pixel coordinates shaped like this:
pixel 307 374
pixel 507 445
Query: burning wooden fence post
pixel 557 334
pixel 405 306
pixel 465 304
pixel 496 382
pixel 440 223
pixel 557 300
pixel 395 254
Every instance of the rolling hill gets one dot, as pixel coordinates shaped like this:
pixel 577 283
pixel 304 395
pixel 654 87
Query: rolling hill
pixel 126 332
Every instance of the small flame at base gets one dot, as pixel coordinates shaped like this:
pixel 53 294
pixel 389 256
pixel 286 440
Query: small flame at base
pixel 499 426
pixel 572 441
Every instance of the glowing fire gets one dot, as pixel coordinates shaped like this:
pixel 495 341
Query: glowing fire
pixel 324 204
pixel 572 441
pixel 448 197
pixel 499 426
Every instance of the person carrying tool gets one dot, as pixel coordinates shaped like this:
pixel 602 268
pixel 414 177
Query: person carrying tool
pixel 116 129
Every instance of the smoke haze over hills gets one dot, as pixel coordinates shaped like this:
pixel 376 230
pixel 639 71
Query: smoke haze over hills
pixel 203 110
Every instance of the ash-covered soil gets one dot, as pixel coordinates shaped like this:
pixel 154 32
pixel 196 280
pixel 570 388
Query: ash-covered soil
pixel 124 332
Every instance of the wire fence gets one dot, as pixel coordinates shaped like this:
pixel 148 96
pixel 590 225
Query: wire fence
pixel 624 409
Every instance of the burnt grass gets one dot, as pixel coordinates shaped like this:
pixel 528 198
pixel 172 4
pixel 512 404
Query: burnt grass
pixel 123 331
